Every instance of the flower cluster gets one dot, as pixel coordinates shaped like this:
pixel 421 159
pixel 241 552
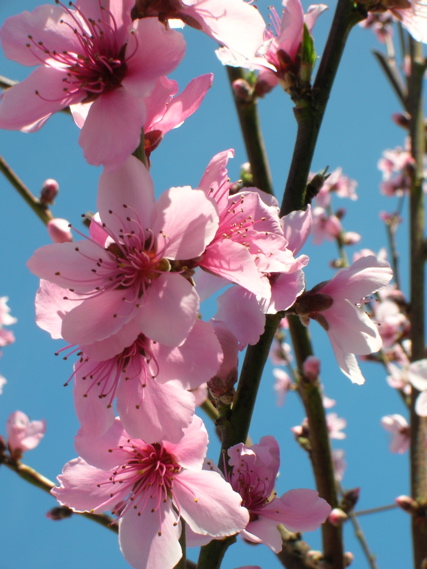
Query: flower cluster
pixel 126 297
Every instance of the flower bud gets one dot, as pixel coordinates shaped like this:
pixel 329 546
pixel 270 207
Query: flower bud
pixel 311 368
pixel 59 513
pixel 242 90
pixel 23 434
pixel 59 230
pixel 348 558
pixel 337 517
pixel 350 499
pixel 407 504
pixel 49 191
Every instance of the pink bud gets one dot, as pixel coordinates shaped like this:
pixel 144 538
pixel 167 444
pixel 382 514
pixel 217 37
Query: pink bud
pixel 242 90
pixel 401 119
pixel 348 558
pixel 23 434
pixel 407 504
pixel 49 191
pixel 351 238
pixel 59 230
pixel 311 368
pixel 337 517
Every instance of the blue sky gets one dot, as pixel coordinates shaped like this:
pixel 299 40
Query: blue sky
pixel 357 128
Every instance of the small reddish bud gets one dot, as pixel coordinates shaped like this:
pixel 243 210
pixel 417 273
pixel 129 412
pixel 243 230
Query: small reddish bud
pixel 49 191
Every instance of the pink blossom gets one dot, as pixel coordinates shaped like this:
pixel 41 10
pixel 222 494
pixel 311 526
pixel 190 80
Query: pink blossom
pixel 414 19
pixel 325 226
pixel 148 380
pixel 280 52
pixel 93 58
pixel 23 434
pixel 166 110
pixel 336 305
pixel 254 477
pixel 59 230
pixel 149 487
pixel 236 24
pixel 129 269
pixel 339 184
pixel 381 25
pixel 399 428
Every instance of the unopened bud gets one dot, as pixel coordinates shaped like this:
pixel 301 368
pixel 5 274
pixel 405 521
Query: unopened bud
pixel 59 513
pixel 49 191
pixel 242 90
pixel 348 558
pixel 337 517
pixel 311 368
pixel 401 120
pixel 59 230
pixel 407 504
pixel 350 499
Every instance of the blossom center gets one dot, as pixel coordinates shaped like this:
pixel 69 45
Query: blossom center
pixel 99 65
pixel 147 475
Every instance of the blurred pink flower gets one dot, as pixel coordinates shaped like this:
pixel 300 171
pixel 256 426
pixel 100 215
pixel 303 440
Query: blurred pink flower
pixel 339 463
pixel 325 227
pixel 23 434
pixel 339 184
pixel 149 487
pixel 335 426
pixel 254 477
pixel 399 428
pixel 91 57
pixel 282 385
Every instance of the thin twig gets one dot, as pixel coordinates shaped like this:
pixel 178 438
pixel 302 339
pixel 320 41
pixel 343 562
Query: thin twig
pixel 41 210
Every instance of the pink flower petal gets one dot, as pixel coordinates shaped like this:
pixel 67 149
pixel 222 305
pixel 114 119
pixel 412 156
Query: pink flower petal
pixel 155 411
pixel 149 539
pixel 187 231
pixel 170 298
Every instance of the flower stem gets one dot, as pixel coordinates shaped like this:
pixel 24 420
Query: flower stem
pixel 33 477
pixel 418 451
pixel 251 131
pixel 309 112
pixel 41 210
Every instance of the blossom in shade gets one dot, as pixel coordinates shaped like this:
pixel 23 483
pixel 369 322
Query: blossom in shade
pixel 254 477
pixel 280 52
pixel 336 305
pixel 93 58
pixel 23 434
pixel 398 426
pixel 128 269
pixel 149 487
